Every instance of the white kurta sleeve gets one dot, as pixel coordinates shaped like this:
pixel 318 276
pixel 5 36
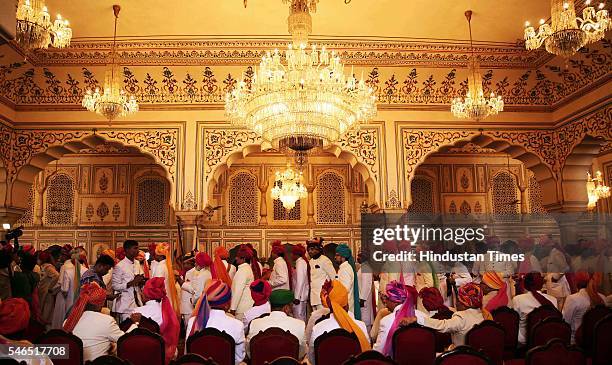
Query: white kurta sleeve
pixel 119 279
pixel 329 269
pixel 454 324
pixel 301 280
pixel 365 285
pixel 346 277
pixel 383 331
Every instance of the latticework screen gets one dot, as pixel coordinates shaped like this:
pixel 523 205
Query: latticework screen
pixel 330 199
pixel 282 214
pixel 421 191
pixel 535 197
pixel 28 216
pixel 151 201
pixel 504 196
pixel 59 209
pixel 243 204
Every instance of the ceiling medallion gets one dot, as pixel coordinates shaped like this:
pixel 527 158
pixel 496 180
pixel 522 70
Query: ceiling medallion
pixel 475 105
pixel 567 33
pixel 596 189
pixel 112 102
pixel 34 27
pixel 303 98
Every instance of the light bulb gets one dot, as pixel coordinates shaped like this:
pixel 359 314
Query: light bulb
pixel 542 21
pixel 565 6
pixel 527 24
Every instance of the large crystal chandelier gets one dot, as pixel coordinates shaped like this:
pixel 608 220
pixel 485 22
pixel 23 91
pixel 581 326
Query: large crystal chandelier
pixel 34 27
pixel 112 102
pixel 475 105
pixel 289 187
pixel 567 33
pixel 304 99
pixel 596 189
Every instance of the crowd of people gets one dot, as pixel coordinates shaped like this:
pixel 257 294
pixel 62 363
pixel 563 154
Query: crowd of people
pixel 299 289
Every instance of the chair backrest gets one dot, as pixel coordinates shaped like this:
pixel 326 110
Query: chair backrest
pixel 555 352
pixel 414 344
pixel 488 337
pixel 141 347
pixel 443 340
pixel 602 341
pixel 214 344
pixel 463 355
pixel 284 361
pixel 370 357
pixel 61 337
pixel 108 360
pixel 192 359
pixel 549 329
pixel 145 322
pixel 273 343
pixel 335 347
pixel 539 314
pixel 509 319
pixel 590 318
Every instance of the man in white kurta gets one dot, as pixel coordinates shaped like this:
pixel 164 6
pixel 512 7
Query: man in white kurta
pixel 321 270
pixel 523 304
pixel 260 292
pixel 98 331
pixel 163 270
pixel 301 289
pixel 577 304
pixel 127 279
pixel 279 278
pixel 281 301
pixel 65 297
pixel 241 292
pixel 365 279
pixel 346 275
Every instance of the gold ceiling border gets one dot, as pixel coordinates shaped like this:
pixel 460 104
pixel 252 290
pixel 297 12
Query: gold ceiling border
pixel 358 52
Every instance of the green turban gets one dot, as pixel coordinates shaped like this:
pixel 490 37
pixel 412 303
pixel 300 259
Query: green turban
pixel 281 297
pixel 345 251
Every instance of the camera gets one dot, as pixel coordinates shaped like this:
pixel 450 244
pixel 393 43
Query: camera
pixel 14 234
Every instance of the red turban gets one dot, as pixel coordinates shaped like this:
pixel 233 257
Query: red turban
pixel 470 295
pixel 221 252
pixel 155 288
pixel 44 257
pixel 202 259
pixel 90 293
pixel 260 291
pixel 432 299
pixel 278 248
pixel 299 250
pixel 14 315
pixel 120 253
pixel 582 278
pixel 28 249
pixel 244 252
pixel 526 243
pixel 152 247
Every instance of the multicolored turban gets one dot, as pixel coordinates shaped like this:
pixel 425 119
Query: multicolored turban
pixel 260 291
pixel 335 297
pixel 470 295
pixel 202 259
pixel 155 289
pixel 316 242
pixel 90 293
pixel 162 249
pixel 216 293
pixel 14 315
pixel 399 293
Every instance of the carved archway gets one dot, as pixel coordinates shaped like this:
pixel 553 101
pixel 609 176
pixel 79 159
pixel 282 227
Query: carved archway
pixel 34 150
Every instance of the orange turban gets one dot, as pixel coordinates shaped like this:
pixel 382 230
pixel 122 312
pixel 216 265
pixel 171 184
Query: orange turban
pixel 108 252
pixel 218 269
pixel 162 249
pixel 335 295
pixel 91 293
pixel 495 280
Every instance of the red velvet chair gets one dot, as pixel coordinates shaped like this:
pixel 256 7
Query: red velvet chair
pixel 584 334
pixel 463 355
pixel 335 347
pixel 273 343
pixel 414 344
pixel 509 319
pixel 370 358
pixel 540 314
pixel 488 337
pixel 548 329
pixel 108 360
pixel 145 322
pixel 284 361
pixel 602 341
pixel 142 347
pixel 443 340
pixel 61 337
pixel 556 352
pixel 192 359
pixel 214 344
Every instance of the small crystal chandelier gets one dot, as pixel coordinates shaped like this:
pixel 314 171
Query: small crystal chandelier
pixel 304 99
pixel 289 187
pixel 596 189
pixel 34 27
pixel 564 36
pixel 475 105
pixel 112 102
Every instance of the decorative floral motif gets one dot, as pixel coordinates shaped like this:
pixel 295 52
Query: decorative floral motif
pixel 89 211
pixel 116 211
pixel 102 211
pixel 189 203
pixel 219 143
pixel 364 144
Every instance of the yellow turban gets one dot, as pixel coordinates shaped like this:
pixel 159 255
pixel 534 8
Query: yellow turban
pixel 493 280
pixel 108 252
pixel 162 249
pixel 337 297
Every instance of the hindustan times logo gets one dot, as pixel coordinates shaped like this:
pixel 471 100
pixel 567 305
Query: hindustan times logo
pixel 412 235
